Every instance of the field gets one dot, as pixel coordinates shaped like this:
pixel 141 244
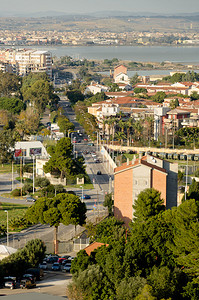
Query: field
pixel 14 211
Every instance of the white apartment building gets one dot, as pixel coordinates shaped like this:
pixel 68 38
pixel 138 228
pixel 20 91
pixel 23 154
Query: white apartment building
pixel 24 61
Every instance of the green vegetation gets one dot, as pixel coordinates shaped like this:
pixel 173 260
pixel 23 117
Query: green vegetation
pixel 28 257
pixel 156 259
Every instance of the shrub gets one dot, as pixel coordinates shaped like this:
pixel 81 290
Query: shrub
pixel 59 188
pixel 16 192
pixel 42 182
pixel 27 188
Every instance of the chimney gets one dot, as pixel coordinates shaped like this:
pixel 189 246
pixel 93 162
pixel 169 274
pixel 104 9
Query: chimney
pixel 127 162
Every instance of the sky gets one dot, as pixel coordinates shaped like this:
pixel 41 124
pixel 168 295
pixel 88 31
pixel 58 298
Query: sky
pixel 88 6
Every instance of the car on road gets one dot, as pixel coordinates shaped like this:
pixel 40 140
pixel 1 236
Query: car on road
pixel 56 266
pixel 67 267
pixel 86 197
pixel 90 144
pixel 30 199
pixel 99 173
pixel 43 265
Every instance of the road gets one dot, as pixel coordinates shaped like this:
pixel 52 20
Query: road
pixel 102 185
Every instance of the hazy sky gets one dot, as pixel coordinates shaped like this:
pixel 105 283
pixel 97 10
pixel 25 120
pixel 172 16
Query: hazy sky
pixel 83 6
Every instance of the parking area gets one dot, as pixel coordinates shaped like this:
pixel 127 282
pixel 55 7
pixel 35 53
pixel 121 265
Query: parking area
pixel 53 283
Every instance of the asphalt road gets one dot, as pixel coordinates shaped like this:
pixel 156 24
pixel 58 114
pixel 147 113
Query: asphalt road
pixel 102 185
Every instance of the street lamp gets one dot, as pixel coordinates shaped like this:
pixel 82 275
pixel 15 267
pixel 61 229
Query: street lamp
pixel 82 193
pixel 7 229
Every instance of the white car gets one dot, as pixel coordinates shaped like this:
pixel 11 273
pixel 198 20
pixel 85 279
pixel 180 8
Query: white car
pixel 67 267
pixel 43 265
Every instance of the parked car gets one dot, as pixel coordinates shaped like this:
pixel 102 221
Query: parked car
pixel 27 283
pixel 67 267
pixel 97 161
pixel 90 144
pixel 86 197
pixel 85 140
pixel 63 258
pixel 10 282
pixel 52 259
pixel 99 173
pixel 43 265
pixel 56 266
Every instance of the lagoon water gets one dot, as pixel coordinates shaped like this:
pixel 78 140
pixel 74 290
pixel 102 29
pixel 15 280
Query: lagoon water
pixel 181 54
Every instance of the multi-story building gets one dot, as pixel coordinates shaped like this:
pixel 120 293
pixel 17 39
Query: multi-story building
pixel 133 177
pixel 23 61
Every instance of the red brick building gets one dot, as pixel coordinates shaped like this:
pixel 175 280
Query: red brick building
pixel 133 177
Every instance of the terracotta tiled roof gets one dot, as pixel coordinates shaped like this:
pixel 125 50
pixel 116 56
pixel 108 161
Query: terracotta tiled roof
pixel 136 163
pixel 94 246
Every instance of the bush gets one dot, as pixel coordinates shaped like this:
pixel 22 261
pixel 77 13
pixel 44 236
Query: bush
pixel 59 188
pixel 17 192
pixel 27 188
pixel 42 182
pixel 48 191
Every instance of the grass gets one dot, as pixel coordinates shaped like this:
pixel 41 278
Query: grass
pixel 7 168
pixel 14 211
pixel 86 186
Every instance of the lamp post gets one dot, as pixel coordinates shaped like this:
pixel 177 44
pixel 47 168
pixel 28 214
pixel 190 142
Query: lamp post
pixel 7 229
pixel 82 193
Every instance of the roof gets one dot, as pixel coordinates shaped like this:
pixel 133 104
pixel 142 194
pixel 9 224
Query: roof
pixel 94 246
pixel 177 111
pixel 138 162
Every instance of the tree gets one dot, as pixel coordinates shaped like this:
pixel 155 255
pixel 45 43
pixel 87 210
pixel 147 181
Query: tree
pixel 40 93
pixel 61 159
pixel 64 124
pixel 64 208
pixel 9 84
pixel 193 192
pixel 159 97
pixel 147 204
pixel 28 122
pixel 129 288
pixel 108 202
pixel 6 144
pixel 13 105
pixel 139 90
pixel 174 103
pixel 185 242
pixel 75 96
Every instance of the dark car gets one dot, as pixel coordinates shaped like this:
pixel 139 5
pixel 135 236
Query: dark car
pixel 52 259
pixel 99 173
pixel 86 197
pixel 30 199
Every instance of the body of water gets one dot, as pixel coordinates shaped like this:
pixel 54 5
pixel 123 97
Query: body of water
pixel 184 55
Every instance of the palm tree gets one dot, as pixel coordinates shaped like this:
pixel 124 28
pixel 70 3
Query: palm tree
pixel 129 125
pixel 120 136
pixel 138 128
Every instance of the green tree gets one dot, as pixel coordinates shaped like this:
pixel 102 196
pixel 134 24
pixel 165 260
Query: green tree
pixel 108 202
pixel 129 288
pixel 139 90
pixel 9 84
pixel 61 160
pixel 6 144
pixel 75 96
pixel 64 208
pixel 159 97
pixel 13 105
pixel 147 204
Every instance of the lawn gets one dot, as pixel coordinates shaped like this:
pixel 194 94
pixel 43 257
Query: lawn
pixel 14 211
pixel 7 168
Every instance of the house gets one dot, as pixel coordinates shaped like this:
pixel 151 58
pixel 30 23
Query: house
pixel 95 88
pixel 29 149
pixel 133 177
pixel 120 75
pixel 90 248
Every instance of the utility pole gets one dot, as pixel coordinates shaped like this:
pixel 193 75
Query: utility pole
pixel 33 176
pixel 186 181
pixel 7 229
pixel 12 176
pixel 21 175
